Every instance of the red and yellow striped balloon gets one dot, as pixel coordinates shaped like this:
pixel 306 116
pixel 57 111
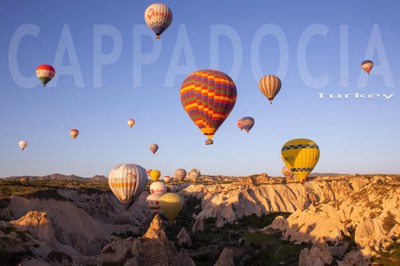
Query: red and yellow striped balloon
pixel 45 73
pixel 208 97
pixel 270 85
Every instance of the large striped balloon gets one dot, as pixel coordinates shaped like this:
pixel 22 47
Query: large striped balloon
pixel 127 181
pixel 301 156
pixel 45 73
pixel 247 123
pixel 208 97
pixel 270 85
pixel 171 204
pixel 158 17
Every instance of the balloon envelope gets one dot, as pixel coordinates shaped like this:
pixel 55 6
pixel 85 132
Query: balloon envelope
pixel 239 124
pixel 195 175
pixel 127 181
pixel 158 188
pixel 208 97
pixel 155 175
pixel 153 202
pixel 131 122
pixel 23 144
pixel 301 156
pixel 180 174
pixel 158 17
pixel 171 204
pixel 153 148
pixel 270 85
pixel 45 73
pixel 367 65
pixel 286 172
pixel 74 133
pixel 167 179
pixel 247 123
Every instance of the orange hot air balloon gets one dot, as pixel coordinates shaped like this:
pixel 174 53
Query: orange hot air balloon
pixel 367 65
pixel 131 122
pixel 45 73
pixel 74 133
pixel 239 124
pixel 208 97
pixel 270 85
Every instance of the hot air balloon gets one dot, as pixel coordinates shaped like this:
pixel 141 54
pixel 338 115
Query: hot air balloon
pixel 239 124
pixel 154 148
pixel 127 181
pixel 158 188
pixel 158 17
pixel 167 179
pixel 148 171
pixel 247 123
pixel 270 85
pixel 367 65
pixel 180 174
pixel 74 133
pixel 45 73
pixel 195 174
pixel 131 122
pixel 23 144
pixel 153 202
pixel 155 175
pixel 208 97
pixel 286 172
pixel 171 204
pixel 301 156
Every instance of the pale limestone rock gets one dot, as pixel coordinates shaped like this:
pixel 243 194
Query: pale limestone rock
pixel 319 254
pixel 184 238
pixel 226 258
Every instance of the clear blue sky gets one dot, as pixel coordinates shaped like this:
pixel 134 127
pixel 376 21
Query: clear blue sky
pixel 143 77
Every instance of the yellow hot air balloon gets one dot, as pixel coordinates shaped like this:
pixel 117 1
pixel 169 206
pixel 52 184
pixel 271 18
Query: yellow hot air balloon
pixel 301 156
pixel 127 181
pixel 171 204
pixel 367 65
pixel 155 175
pixel 270 85
pixel 131 122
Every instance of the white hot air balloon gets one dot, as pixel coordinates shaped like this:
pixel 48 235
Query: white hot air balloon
pixel 127 181
pixel 23 144
pixel 195 174
pixel 153 202
pixel 158 188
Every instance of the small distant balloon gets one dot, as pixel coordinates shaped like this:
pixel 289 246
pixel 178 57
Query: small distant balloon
pixel 367 65
pixel 270 85
pixel 158 188
pixel 74 133
pixel 195 174
pixel 155 175
pixel 154 148
pixel 167 179
pixel 131 122
pixel 23 144
pixel 286 172
pixel 153 202
pixel 247 123
pixel 239 124
pixel 158 17
pixel 45 73
pixel 180 174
